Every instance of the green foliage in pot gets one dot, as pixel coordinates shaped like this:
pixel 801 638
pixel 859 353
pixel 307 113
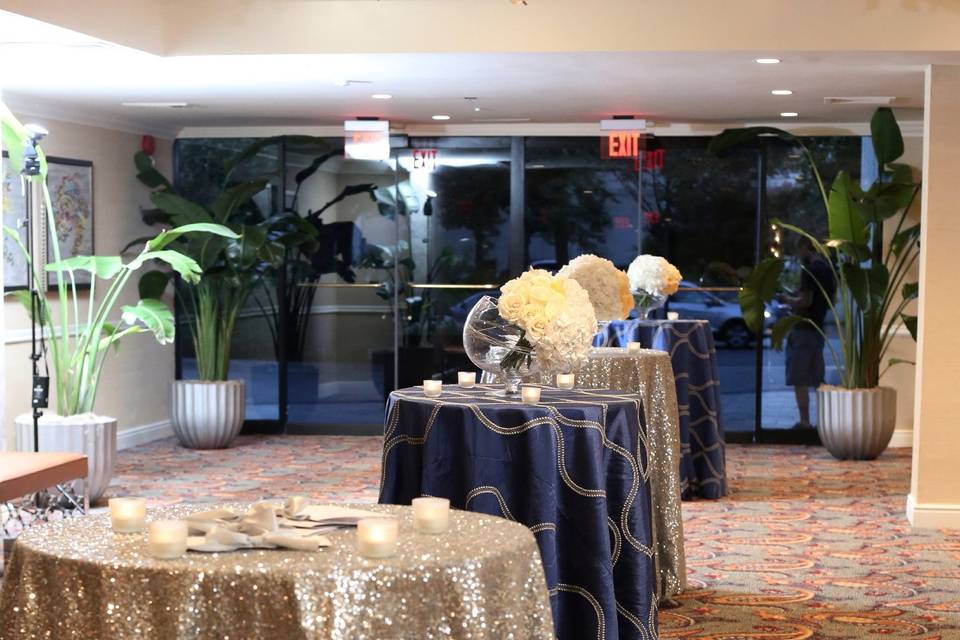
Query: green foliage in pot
pixel 77 359
pixel 231 266
pixel 870 272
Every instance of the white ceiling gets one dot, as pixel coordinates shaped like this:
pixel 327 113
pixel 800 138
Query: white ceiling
pixel 70 74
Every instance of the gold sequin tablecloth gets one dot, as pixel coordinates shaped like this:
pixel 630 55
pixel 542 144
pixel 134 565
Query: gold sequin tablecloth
pixel 650 374
pixel 77 579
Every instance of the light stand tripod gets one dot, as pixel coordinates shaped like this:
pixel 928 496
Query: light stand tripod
pixel 40 390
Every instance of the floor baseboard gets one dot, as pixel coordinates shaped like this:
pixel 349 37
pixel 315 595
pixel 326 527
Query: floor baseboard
pixel 933 515
pixel 902 438
pixel 143 434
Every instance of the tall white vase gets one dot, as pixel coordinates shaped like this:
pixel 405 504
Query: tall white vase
pixel 207 415
pixel 92 435
pixel 856 424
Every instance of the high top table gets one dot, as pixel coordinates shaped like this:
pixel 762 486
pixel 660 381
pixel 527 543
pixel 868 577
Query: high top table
pixel 697 377
pixel 573 468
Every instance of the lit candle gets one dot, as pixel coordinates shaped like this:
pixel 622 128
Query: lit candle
pixel 432 388
pixel 467 379
pixel 377 537
pixel 530 395
pixel 634 347
pixel 565 380
pixel 431 515
pixel 167 538
pixel 127 515
pixel 673 315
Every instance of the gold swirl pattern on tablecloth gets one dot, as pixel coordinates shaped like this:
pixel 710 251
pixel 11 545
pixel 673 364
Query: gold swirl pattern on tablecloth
pixel 483 395
pixel 76 579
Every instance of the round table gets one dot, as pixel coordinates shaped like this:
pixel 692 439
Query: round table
pixel 573 467
pixel 75 578
pixel 697 377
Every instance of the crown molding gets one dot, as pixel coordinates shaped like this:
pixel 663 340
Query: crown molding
pixel 34 109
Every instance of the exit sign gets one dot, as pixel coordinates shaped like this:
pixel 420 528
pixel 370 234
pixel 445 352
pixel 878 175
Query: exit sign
pixel 366 139
pixel 622 144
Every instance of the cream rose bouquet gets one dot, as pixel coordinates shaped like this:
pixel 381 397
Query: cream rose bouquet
pixel 652 279
pixel 607 286
pixel 556 320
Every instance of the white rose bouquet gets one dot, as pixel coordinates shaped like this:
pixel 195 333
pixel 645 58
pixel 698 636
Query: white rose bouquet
pixel 652 279
pixel 607 286
pixel 555 316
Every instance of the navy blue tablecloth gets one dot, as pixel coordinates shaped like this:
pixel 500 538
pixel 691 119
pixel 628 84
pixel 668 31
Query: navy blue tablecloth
pixel 573 469
pixel 694 357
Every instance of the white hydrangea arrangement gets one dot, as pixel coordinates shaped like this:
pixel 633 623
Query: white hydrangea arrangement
pixel 653 276
pixel 607 286
pixel 555 315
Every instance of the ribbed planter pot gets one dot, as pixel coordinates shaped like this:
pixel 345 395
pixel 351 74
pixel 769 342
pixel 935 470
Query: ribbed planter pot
pixel 207 415
pixel 92 435
pixel 856 424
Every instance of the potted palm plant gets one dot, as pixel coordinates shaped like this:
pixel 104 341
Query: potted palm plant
pixel 856 417
pixel 76 358
pixel 208 412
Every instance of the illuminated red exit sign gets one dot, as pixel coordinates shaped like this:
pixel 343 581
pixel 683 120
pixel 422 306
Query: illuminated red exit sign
pixel 622 144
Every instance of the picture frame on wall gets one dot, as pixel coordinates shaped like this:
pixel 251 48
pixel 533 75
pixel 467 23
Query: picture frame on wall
pixel 71 192
pixel 15 200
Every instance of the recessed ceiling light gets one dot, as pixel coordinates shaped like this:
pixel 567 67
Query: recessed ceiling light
pixel 782 92
pixel 341 82
pixel 789 114
pixel 381 96
pixel 768 60
pixel 477 109
pixel 440 117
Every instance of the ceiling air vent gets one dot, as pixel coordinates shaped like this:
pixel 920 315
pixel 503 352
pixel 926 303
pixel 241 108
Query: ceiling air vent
pixel 877 100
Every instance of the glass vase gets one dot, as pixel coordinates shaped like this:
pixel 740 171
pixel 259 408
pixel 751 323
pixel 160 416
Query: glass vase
pixel 647 303
pixel 497 346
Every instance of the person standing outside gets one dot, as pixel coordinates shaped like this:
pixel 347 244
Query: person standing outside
pixel 804 366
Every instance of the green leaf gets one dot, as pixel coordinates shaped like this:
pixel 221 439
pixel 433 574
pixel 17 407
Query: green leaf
pixel 154 315
pixel 732 138
pixel 23 297
pixel 868 285
pixel 181 210
pixel 166 237
pixel 187 267
pixel 817 245
pixel 153 283
pixel 105 267
pixel 110 337
pixel 312 168
pixel 228 201
pixel 243 253
pixel 911 290
pixel 900 173
pixel 887 141
pixel 910 322
pixel 759 288
pixel 905 238
pixel 843 219
pixel 151 217
pixel 148 174
pixel 895 361
pixel 781 328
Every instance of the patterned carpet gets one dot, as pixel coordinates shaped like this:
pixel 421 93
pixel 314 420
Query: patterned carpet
pixel 805 547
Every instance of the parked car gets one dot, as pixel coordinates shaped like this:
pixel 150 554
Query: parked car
pixel 723 313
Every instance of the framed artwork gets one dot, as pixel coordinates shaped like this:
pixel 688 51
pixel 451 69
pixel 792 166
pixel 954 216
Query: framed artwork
pixel 14 214
pixel 71 192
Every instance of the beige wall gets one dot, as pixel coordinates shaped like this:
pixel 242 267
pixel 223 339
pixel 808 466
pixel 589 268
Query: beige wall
pixel 935 487
pixel 135 383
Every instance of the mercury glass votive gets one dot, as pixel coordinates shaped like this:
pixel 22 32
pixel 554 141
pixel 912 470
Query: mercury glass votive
pixel 431 515
pixel 530 395
pixel 167 539
pixel 634 347
pixel 565 380
pixel 432 388
pixel 467 379
pixel 377 537
pixel 127 515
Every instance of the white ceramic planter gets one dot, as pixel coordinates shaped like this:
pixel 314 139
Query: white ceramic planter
pixel 856 424
pixel 207 415
pixel 92 435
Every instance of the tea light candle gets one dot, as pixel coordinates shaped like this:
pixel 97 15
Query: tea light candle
pixel 127 515
pixel 673 315
pixel 634 347
pixel 377 537
pixel 565 380
pixel 432 388
pixel 467 379
pixel 167 538
pixel 431 515
pixel 530 395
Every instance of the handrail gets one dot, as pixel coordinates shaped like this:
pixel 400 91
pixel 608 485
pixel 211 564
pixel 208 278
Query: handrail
pixel 485 286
